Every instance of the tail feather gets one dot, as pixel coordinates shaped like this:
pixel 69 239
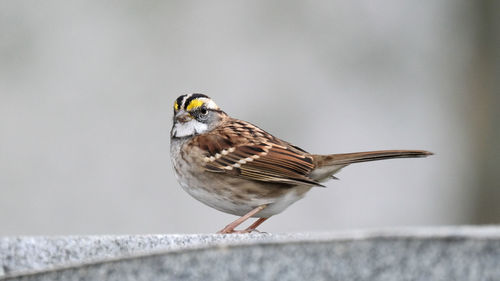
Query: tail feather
pixel 327 165
pixel 357 157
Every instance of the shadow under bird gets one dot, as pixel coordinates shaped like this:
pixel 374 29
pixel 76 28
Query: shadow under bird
pixel 238 168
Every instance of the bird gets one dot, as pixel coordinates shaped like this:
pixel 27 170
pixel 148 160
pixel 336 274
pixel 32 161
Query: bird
pixel 238 168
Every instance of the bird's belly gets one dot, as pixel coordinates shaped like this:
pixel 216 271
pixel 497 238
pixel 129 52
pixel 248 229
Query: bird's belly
pixel 238 197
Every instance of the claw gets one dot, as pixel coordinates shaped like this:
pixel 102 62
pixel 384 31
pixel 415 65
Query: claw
pixel 243 231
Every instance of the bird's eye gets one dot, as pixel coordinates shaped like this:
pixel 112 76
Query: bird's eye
pixel 204 110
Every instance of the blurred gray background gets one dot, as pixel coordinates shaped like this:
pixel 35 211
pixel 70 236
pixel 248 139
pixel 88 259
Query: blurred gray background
pixel 87 89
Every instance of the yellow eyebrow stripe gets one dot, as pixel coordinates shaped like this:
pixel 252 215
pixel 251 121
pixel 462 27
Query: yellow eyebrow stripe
pixel 176 106
pixel 194 104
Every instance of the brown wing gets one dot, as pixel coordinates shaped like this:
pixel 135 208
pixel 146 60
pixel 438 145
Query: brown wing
pixel 241 149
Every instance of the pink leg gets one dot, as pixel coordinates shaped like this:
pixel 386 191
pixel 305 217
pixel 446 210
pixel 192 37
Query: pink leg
pixel 255 225
pixel 230 227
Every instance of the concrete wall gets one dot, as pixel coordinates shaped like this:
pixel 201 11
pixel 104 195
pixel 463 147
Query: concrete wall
pixel 452 253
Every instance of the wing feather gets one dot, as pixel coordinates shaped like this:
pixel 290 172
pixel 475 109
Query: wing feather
pixel 242 149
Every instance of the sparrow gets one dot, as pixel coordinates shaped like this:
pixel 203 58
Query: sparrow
pixel 238 168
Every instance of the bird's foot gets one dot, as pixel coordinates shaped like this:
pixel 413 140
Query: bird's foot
pixel 243 231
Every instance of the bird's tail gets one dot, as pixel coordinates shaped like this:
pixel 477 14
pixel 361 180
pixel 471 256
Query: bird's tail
pixel 328 165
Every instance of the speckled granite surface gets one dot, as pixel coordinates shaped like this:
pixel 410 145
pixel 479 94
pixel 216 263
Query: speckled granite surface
pixel 447 253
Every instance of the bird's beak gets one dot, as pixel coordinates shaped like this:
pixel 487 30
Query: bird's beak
pixel 183 117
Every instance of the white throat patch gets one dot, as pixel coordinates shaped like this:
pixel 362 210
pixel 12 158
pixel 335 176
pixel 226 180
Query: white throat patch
pixel 189 128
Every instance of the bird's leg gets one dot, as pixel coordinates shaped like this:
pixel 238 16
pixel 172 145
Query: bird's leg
pixel 254 225
pixel 230 227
